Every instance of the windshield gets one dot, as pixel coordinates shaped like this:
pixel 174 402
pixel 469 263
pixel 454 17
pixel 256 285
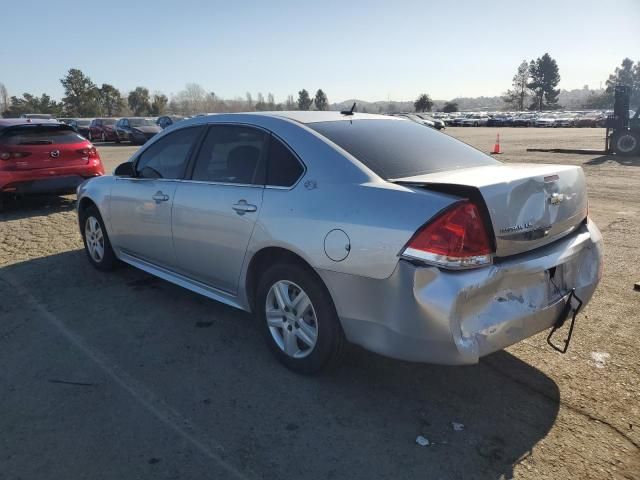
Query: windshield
pixel 141 122
pixel 108 121
pixel 395 148
pixel 83 123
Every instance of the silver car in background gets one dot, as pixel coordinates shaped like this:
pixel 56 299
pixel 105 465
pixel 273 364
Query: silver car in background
pixel 339 226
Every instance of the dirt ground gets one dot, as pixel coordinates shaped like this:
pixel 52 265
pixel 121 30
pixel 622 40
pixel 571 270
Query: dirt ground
pixel 122 375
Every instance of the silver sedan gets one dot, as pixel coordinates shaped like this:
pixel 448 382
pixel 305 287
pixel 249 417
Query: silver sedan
pixel 336 227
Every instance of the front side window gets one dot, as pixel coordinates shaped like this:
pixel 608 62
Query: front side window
pixel 283 168
pixel 167 158
pixel 231 154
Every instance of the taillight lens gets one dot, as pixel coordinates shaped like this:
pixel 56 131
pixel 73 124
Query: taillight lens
pixel 90 152
pixel 13 155
pixel 457 238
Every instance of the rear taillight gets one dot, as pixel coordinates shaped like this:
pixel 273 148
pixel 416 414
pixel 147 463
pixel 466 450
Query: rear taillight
pixel 13 155
pixel 90 152
pixel 457 238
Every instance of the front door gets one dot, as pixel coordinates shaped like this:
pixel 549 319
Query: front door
pixel 215 211
pixel 141 206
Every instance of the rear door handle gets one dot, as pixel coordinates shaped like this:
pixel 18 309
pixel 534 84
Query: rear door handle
pixel 160 197
pixel 243 207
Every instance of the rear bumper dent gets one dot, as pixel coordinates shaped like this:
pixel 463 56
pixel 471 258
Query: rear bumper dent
pixel 431 315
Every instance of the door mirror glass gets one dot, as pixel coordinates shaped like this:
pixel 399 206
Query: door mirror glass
pixel 125 170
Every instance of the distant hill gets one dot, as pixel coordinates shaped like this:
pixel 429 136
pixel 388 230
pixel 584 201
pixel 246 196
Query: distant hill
pixel 568 99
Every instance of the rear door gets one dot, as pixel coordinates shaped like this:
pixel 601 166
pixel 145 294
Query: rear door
pixel 214 212
pixel 35 147
pixel 141 206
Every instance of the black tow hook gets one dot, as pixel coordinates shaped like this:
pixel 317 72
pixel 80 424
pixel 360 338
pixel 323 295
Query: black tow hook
pixel 566 311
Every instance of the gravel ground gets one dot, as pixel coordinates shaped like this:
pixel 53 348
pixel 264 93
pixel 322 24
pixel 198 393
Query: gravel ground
pixel 125 376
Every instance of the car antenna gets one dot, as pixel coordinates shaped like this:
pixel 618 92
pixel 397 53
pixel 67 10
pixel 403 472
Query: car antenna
pixel 349 112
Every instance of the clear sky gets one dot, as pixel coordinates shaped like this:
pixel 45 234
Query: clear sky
pixel 367 49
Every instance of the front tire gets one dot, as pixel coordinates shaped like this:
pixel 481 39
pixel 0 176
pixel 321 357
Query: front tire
pixel 626 143
pixel 96 241
pixel 298 319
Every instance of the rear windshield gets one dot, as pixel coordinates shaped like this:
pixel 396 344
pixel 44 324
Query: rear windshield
pixel 84 123
pixel 108 121
pixel 395 149
pixel 39 135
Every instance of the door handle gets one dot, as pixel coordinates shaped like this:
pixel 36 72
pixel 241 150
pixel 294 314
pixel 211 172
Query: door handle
pixel 160 197
pixel 243 207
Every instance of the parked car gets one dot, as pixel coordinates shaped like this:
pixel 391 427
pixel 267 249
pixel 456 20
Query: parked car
pixel 476 120
pixel 336 227
pixel 136 130
pixel 82 126
pixel 565 120
pixel 103 129
pixel 587 120
pixel 457 121
pixel 166 120
pixel 545 120
pixel 500 121
pixel 42 156
pixel 525 120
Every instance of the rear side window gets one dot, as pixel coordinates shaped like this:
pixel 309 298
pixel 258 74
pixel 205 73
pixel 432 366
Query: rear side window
pixel 231 154
pixel 40 135
pixel 167 158
pixel 395 149
pixel 283 169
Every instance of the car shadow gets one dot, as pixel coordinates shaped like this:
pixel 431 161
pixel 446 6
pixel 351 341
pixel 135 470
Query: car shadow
pixel 627 161
pixel 25 206
pixel 210 363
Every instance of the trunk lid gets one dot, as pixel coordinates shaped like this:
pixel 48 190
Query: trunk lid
pixel 529 205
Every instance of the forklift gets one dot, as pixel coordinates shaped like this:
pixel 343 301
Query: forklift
pixel 623 133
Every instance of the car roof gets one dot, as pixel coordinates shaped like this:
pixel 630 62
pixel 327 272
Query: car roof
pixel 313 116
pixel 10 122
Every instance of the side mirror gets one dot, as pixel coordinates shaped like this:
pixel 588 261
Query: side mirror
pixel 125 170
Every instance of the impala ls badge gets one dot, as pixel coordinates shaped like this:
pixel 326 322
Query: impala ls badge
pixel 556 198
pixel 54 153
pixel 517 228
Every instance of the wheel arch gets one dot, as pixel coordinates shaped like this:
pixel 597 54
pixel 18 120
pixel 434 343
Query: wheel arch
pixel 265 258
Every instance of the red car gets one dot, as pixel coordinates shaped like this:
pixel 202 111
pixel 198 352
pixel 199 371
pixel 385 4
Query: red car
pixel 102 129
pixel 44 156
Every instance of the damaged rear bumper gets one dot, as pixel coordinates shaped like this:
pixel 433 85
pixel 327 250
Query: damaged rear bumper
pixel 433 315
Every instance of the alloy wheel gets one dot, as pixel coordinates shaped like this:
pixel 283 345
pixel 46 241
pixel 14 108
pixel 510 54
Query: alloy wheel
pixel 291 319
pixel 94 238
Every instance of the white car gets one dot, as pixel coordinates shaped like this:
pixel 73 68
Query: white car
pixel 546 121
pixel 479 120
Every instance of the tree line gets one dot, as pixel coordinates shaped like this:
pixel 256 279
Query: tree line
pixel 84 98
pixel 534 85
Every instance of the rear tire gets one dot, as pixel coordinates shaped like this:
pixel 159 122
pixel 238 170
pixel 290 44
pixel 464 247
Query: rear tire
pixel 626 143
pixel 96 241
pixel 298 319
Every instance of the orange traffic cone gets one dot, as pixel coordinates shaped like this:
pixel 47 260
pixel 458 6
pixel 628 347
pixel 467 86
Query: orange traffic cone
pixel 496 146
